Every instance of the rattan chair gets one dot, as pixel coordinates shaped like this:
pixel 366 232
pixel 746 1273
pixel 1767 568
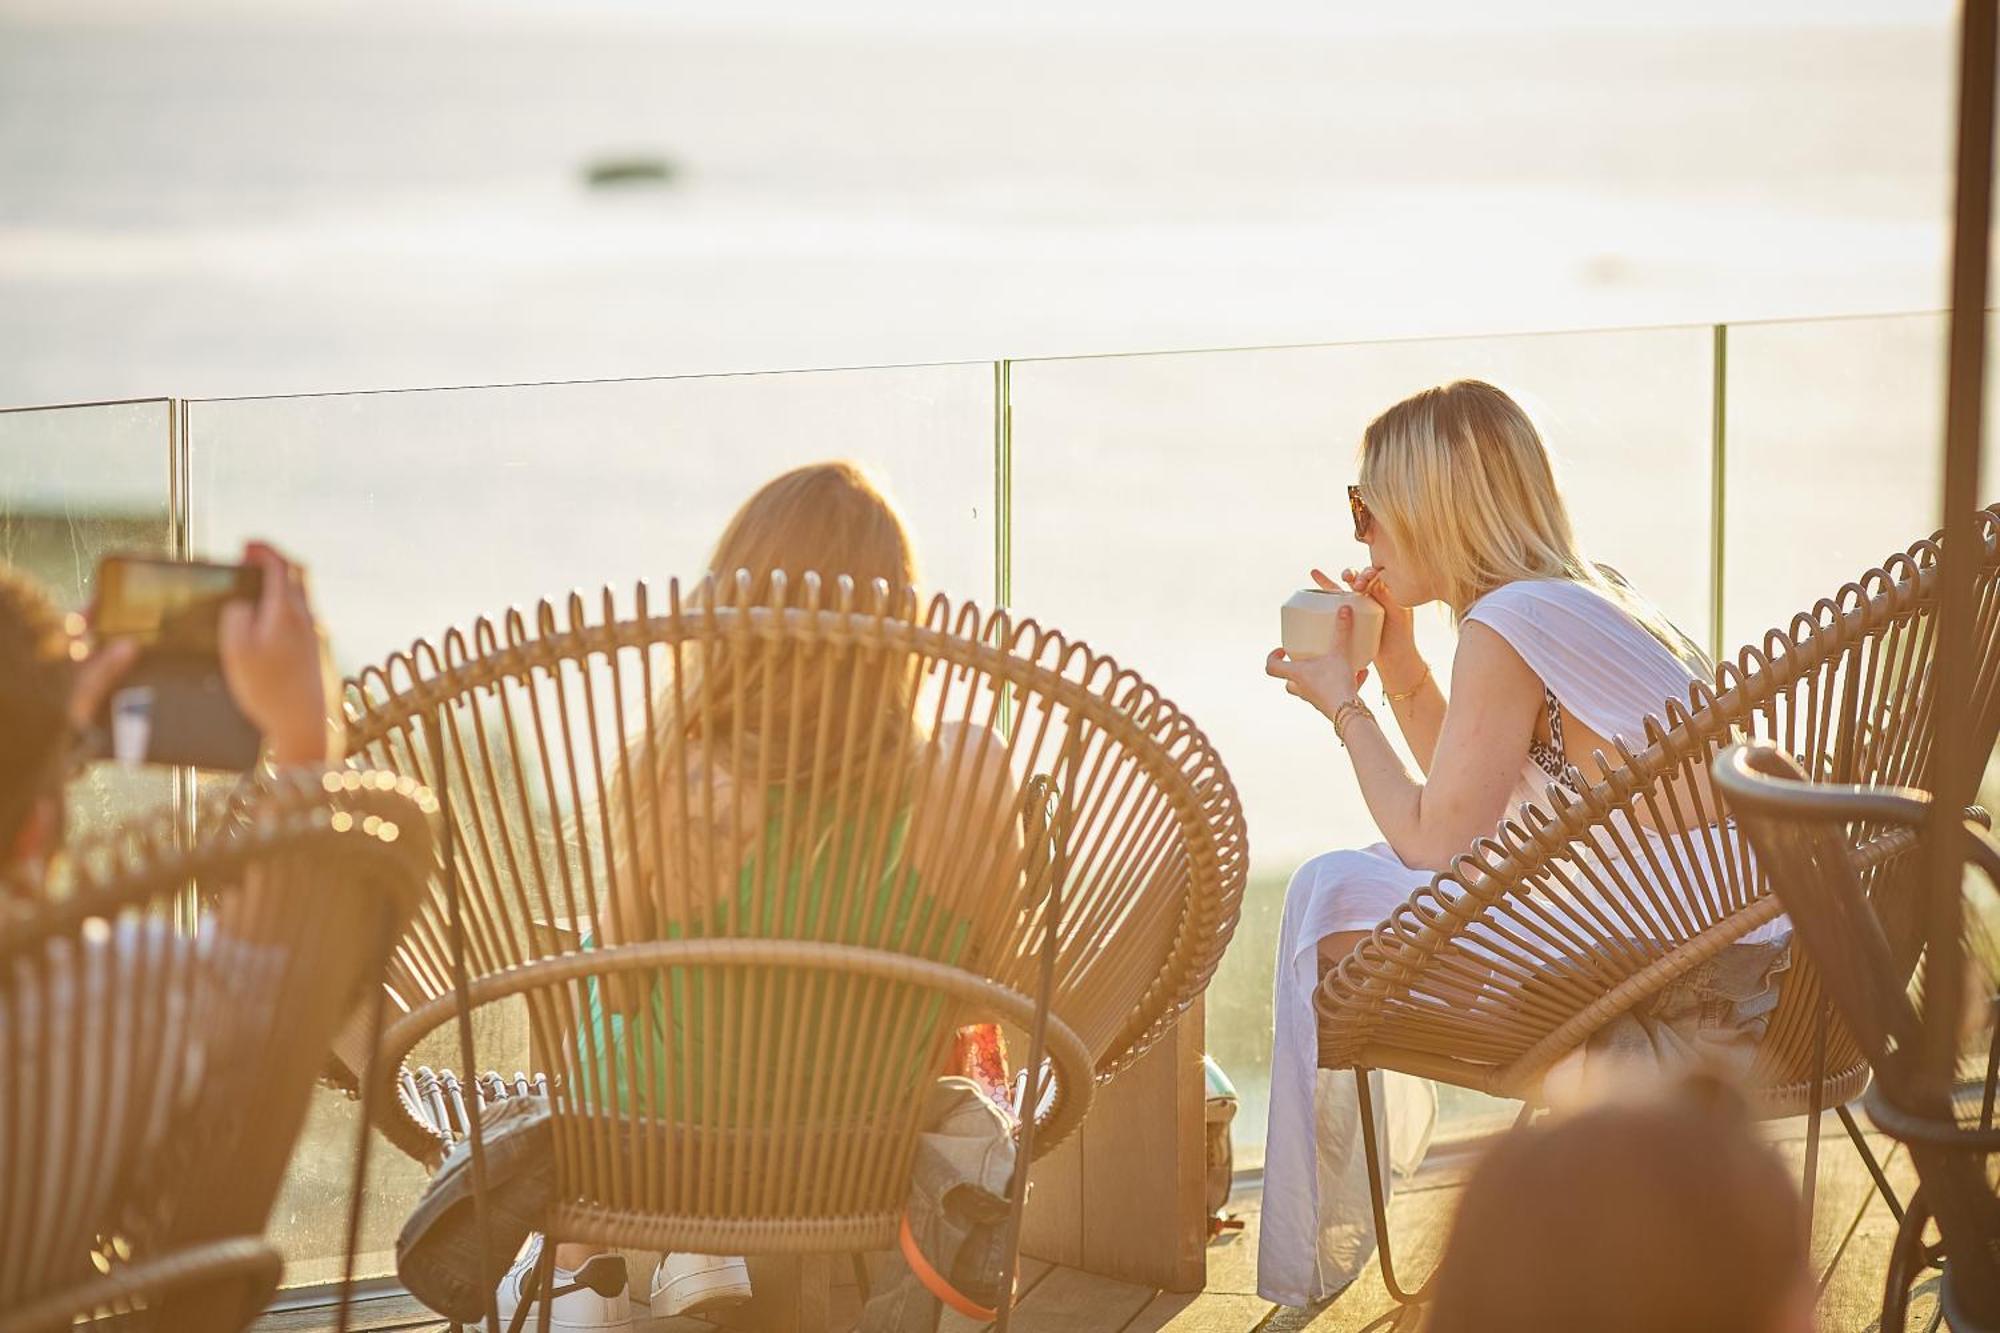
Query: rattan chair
pixel 1862 937
pixel 233 1279
pixel 166 1000
pixel 1088 851
pixel 1485 980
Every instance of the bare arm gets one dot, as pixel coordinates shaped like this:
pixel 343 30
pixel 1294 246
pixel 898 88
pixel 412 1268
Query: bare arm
pixel 974 758
pixel 1419 712
pixel 1480 747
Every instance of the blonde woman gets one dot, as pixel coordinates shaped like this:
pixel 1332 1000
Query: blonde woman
pixel 1458 505
pixel 710 840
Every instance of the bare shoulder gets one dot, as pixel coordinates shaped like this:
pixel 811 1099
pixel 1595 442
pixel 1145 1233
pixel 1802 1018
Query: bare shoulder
pixel 1487 666
pixel 979 751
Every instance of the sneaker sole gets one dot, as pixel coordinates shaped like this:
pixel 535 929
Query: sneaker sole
pixel 697 1292
pixel 559 1325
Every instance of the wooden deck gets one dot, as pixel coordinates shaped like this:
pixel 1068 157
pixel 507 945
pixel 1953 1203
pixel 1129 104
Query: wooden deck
pixel 1851 1233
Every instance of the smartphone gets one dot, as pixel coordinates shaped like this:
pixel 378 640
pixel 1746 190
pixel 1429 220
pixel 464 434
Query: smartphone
pixel 173 706
pixel 168 606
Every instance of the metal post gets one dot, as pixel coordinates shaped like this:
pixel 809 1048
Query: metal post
pixel 1718 483
pixel 1955 766
pixel 181 787
pixel 1956 1186
pixel 1003 483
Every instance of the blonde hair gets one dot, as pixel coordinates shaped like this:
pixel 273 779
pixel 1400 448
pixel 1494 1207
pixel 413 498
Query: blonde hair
pixel 734 707
pixel 1460 479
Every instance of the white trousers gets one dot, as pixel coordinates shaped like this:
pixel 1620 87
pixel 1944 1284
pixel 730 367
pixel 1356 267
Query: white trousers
pixel 1317 1231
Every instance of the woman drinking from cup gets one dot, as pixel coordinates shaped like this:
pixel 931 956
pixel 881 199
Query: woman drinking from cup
pixel 1457 504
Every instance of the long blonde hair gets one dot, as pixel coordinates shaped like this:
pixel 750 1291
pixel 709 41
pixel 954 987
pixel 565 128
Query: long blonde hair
pixel 1460 479
pixel 829 519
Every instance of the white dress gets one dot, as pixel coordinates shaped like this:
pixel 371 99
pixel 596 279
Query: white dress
pixel 1317 1231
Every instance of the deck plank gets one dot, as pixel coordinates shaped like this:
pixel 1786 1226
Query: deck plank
pixel 1207 1312
pixel 1419 1216
pixel 1232 1256
pixel 1060 1300
pixel 1852 1300
pixel 1069 1301
pixel 1033 1271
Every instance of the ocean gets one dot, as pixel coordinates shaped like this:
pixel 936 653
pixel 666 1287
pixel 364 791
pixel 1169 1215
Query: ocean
pixel 203 199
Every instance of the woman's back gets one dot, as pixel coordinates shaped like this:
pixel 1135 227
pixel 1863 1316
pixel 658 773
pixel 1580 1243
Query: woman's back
pixel 1603 672
pixel 841 863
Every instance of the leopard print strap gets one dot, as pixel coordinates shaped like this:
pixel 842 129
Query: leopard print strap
pixel 1551 758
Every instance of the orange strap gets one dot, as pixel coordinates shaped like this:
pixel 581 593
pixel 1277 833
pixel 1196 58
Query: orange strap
pixel 934 1281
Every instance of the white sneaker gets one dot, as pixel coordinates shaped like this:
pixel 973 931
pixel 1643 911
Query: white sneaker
pixel 688 1283
pixel 597 1297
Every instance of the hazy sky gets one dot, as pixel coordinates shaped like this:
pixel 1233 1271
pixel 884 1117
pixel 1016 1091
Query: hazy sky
pixel 1137 15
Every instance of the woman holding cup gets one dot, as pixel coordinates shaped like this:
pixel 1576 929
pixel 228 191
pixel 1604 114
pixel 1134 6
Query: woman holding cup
pixel 1457 504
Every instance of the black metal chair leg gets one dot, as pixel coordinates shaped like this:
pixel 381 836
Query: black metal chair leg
pixel 531 1290
pixel 1907 1261
pixel 1378 1190
pixel 1041 791
pixel 1809 1185
pixel 1992 1068
pixel 1869 1160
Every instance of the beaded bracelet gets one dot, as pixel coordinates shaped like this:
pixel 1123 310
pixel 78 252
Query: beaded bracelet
pixel 1345 714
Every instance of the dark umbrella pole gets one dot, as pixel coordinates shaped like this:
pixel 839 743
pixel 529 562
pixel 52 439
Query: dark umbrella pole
pixel 1963 1205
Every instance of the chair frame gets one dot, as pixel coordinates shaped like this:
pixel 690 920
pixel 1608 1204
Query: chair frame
pixel 1370 1003
pixel 1839 923
pixel 306 827
pixel 395 712
pixel 248 1263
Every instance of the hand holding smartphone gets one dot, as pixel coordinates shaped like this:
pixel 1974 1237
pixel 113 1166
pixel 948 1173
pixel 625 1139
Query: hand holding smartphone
pixel 173 706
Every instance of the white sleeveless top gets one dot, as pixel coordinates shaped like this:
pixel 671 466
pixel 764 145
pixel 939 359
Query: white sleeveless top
pixel 1603 666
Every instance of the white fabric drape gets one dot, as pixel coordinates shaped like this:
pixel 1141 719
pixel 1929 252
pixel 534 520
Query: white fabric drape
pixel 1317 1231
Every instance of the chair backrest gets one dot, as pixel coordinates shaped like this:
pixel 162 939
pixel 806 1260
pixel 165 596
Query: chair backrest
pixel 1497 961
pixel 166 1001
pixel 232 1280
pixel 784 1113
pixel 1803 834
pixel 848 766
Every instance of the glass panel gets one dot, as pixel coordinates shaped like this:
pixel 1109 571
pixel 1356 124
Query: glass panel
pixel 82 482
pixel 416 511
pixel 1835 462
pixel 1834 436
pixel 1164 506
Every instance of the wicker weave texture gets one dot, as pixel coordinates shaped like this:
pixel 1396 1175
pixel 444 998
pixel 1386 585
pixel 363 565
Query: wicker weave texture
pixel 158 1073
pixel 234 1279
pixel 794 1142
pixel 853 768
pixel 1493 971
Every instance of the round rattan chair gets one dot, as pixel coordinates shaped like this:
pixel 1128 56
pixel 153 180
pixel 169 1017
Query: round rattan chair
pixel 165 1003
pixel 1490 975
pixel 1069 834
pixel 233 1278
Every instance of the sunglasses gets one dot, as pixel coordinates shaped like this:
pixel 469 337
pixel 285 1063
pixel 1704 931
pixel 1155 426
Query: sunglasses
pixel 1364 522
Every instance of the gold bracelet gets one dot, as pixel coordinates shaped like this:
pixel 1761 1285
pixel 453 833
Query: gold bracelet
pixel 1345 714
pixel 1411 693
